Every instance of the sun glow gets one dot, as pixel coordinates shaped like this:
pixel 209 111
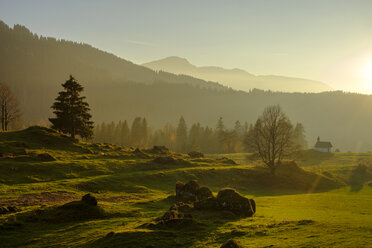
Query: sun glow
pixel 367 71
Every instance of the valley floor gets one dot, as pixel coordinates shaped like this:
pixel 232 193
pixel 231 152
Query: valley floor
pixel 298 208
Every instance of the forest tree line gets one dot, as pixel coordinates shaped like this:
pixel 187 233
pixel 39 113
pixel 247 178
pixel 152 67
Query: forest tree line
pixel 33 67
pixel 184 138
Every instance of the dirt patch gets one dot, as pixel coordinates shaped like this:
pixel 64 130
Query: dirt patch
pixel 40 198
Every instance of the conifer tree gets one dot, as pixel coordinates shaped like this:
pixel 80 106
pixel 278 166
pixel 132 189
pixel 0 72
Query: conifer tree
pixel 125 136
pixel 144 133
pixel 136 132
pixel 181 135
pixel 72 112
pixel 194 137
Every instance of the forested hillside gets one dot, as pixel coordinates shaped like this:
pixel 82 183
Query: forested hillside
pixel 116 89
pixel 35 66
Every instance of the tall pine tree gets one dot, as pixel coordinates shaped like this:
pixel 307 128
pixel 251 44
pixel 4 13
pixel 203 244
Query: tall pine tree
pixel 72 112
pixel 181 135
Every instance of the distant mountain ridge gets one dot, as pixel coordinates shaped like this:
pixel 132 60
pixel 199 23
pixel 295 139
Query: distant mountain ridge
pixel 237 79
pixel 34 67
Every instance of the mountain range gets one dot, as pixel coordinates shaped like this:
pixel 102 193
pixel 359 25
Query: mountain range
pixel 34 67
pixel 236 78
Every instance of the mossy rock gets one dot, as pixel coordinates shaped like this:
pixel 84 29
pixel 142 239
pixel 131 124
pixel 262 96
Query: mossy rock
pixel 231 244
pixel 229 199
pixel 69 212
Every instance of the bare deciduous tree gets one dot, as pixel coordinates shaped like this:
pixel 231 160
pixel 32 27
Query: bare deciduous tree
pixel 271 136
pixel 9 107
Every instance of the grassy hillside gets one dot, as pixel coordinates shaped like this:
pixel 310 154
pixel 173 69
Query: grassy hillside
pixel 334 165
pixel 294 208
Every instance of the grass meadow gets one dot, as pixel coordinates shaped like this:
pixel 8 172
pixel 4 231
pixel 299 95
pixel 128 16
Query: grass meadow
pixel 41 170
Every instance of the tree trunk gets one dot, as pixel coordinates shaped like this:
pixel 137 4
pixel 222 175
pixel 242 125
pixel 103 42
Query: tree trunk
pixel 2 117
pixel 272 168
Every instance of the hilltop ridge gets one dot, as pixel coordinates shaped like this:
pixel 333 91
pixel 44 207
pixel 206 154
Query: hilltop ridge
pixel 237 79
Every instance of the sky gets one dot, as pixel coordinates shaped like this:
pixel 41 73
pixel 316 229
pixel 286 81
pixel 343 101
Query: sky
pixel 322 40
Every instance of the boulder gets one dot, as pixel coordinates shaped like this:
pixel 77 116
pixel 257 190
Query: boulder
pixel 169 215
pixel 192 187
pixel 207 204
pixel 229 199
pixel 181 206
pixel 165 160
pixel 195 154
pixel 89 199
pixel 231 244
pixel 187 192
pixel 204 193
pixel 179 188
pixel 159 150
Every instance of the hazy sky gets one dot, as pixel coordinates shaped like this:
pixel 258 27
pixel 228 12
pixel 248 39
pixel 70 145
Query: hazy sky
pixel 329 40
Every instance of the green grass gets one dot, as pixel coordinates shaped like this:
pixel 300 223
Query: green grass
pixel 313 207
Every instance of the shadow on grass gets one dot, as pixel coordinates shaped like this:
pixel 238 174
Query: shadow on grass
pixel 203 225
pixel 311 157
pixel 358 177
pixel 257 181
pixel 356 187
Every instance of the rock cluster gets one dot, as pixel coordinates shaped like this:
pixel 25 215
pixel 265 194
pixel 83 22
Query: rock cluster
pixel 191 196
pixel 191 192
pixel 201 198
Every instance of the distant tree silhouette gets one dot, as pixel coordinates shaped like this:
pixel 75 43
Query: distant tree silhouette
pixel 228 139
pixel 144 133
pixel 181 135
pixel 299 138
pixel 271 137
pixel 204 139
pixel 124 134
pixel 9 107
pixel 220 128
pixel 194 137
pixel 136 132
pixel 72 112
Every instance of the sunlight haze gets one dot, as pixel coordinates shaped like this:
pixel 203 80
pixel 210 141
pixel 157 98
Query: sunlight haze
pixel 187 124
pixel 306 39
